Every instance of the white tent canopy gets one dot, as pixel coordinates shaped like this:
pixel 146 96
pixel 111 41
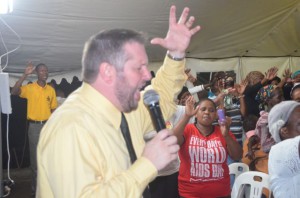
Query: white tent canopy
pixel 238 35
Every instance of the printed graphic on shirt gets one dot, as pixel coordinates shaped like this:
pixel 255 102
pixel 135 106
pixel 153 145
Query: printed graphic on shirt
pixel 206 157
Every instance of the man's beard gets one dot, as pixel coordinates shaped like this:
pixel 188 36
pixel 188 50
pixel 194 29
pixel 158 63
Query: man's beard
pixel 125 94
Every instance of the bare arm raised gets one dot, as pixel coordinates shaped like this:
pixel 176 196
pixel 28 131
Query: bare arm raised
pixel 16 89
pixel 286 75
pixel 269 75
pixel 234 149
pixel 189 112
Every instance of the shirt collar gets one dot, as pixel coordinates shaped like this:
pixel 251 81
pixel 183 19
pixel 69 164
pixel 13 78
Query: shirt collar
pixel 102 105
pixel 36 84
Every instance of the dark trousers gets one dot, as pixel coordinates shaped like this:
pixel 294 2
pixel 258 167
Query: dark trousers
pixel 33 138
pixel 165 186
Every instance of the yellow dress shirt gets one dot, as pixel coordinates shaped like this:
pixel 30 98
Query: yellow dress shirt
pixel 82 153
pixel 40 101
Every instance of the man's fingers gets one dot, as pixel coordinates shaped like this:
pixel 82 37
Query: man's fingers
pixel 174 149
pixel 163 134
pixel 195 29
pixel 170 140
pixel 158 41
pixel 190 22
pixel 172 16
pixel 184 16
pixel 174 156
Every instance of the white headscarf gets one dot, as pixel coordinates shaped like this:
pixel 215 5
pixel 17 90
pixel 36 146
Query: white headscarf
pixel 279 115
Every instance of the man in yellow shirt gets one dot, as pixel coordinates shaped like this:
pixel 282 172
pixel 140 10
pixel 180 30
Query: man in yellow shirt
pixel 81 151
pixel 41 102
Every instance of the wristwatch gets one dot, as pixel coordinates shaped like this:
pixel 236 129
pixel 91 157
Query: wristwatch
pixel 175 58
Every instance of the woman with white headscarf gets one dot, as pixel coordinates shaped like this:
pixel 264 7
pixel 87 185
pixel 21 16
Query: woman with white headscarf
pixel 284 157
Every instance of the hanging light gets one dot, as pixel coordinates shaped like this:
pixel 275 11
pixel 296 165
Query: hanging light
pixel 6 6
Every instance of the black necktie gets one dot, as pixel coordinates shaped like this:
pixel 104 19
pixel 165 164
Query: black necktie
pixel 127 138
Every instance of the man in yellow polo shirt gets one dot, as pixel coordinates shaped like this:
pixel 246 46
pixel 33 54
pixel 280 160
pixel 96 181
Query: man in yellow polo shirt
pixel 41 102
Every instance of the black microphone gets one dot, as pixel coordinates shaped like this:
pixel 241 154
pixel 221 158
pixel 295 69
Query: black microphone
pixel 151 99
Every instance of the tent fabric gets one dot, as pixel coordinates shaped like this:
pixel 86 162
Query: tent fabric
pixel 54 32
pixel 242 66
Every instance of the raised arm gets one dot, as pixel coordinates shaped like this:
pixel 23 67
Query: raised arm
pixel 286 75
pixel 235 151
pixel 269 75
pixel 194 80
pixel 170 78
pixel 240 88
pixel 189 112
pixel 16 89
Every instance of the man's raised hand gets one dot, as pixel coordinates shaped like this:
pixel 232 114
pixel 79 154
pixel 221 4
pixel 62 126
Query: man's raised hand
pixel 179 34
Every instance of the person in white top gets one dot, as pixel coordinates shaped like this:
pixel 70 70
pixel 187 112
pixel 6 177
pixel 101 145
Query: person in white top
pixel 284 157
pixel 284 168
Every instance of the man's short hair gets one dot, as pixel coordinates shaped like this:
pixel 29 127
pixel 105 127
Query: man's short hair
pixel 40 65
pixel 107 46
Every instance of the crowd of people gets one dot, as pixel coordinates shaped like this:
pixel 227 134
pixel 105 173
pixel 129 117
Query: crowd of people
pixel 253 99
pixel 101 142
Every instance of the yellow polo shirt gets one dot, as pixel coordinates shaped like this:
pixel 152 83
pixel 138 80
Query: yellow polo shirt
pixel 81 150
pixel 40 101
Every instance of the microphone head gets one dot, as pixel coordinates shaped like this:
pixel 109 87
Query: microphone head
pixel 151 97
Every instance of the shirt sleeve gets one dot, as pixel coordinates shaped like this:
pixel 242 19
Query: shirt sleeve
pixel 54 100
pixel 168 82
pixel 23 91
pixel 80 157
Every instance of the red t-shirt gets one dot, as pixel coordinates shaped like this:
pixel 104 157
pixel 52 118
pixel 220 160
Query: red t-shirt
pixel 203 168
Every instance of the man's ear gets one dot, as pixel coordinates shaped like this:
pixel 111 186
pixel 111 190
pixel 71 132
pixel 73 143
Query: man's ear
pixel 107 72
pixel 284 133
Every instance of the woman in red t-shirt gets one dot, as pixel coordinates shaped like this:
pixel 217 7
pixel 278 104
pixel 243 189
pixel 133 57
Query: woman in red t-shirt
pixel 203 152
